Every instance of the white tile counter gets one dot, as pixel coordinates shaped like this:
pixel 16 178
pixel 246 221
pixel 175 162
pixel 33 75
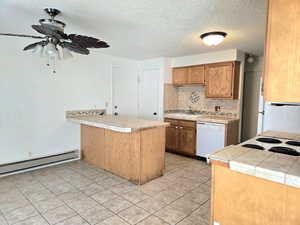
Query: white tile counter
pixel 280 168
pixel 203 118
pixel 117 123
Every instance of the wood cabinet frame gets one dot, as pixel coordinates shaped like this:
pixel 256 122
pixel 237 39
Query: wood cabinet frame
pixel 174 136
pixel 282 52
pixel 191 75
pixel 199 75
pixel 234 81
pixel 237 198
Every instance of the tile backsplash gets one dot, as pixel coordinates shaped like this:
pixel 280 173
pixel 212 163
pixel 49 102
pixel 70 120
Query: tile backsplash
pixel 88 112
pixel 171 97
pixel 193 97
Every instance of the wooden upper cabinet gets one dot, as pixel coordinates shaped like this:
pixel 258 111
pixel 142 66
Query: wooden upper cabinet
pixel 196 75
pixel 180 76
pixel 222 80
pixel 188 75
pixel 282 66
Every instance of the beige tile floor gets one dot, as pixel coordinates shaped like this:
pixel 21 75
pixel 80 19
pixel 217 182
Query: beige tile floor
pixel 80 194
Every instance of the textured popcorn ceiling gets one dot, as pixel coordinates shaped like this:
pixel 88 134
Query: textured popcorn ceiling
pixel 142 29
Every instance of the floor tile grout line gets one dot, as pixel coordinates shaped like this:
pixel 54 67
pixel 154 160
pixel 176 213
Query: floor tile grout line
pixel 32 204
pixel 4 217
pixel 33 207
pixel 117 193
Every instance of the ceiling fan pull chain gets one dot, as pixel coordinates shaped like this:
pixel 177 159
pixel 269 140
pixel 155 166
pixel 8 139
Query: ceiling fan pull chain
pixel 53 65
pixel 48 60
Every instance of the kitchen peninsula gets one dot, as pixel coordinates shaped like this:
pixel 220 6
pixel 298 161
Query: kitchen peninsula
pixel 251 186
pixel 128 147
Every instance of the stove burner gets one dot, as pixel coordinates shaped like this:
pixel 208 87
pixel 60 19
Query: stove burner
pixel 284 150
pixel 293 143
pixel 253 146
pixel 269 140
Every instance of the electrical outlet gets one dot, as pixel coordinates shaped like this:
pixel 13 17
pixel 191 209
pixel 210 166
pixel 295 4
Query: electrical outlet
pixel 216 223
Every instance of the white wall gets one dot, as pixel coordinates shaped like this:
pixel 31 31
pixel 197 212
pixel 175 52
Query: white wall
pixel 205 58
pixel 253 75
pixel 33 101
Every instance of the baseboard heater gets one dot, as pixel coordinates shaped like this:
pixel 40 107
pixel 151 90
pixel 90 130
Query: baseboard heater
pixel 22 166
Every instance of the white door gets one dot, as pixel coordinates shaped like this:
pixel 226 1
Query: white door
pixel 124 91
pixel 149 93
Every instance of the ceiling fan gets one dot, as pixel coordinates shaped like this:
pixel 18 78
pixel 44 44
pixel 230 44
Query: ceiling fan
pixel 54 38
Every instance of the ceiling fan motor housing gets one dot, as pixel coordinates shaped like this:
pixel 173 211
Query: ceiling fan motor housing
pixel 52 12
pixel 54 23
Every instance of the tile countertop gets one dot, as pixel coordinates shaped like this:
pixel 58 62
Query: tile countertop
pixel 283 135
pixel 267 165
pixel 116 123
pixel 203 118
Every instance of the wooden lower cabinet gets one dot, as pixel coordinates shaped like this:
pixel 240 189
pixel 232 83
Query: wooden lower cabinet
pixel 181 137
pixel 172 138
pixel 187 141
pixel 242 199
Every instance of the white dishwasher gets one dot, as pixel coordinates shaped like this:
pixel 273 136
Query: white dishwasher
pixel 210 138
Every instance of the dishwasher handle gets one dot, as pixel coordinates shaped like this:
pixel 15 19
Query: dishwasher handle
pixel 210 123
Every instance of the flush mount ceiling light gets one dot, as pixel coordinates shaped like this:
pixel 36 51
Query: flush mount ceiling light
pixel 213 38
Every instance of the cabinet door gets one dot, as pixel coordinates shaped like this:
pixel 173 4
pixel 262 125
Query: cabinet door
pixel 282 68
pixel 219 80
pixel 187 142
pixel 196 75
pixel 180 76
pixel 172 138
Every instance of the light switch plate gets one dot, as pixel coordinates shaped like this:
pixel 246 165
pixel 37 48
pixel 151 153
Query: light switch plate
pixel 216 223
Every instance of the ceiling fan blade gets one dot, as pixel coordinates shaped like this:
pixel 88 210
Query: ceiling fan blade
pixel 22 35
pixel 87 42
pixel 75 48
pixel 48 31
pixel 32 46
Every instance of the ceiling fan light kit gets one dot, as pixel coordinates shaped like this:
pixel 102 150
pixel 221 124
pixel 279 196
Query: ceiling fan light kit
pixel 213 38
pixel 67 54
pixel 55 39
